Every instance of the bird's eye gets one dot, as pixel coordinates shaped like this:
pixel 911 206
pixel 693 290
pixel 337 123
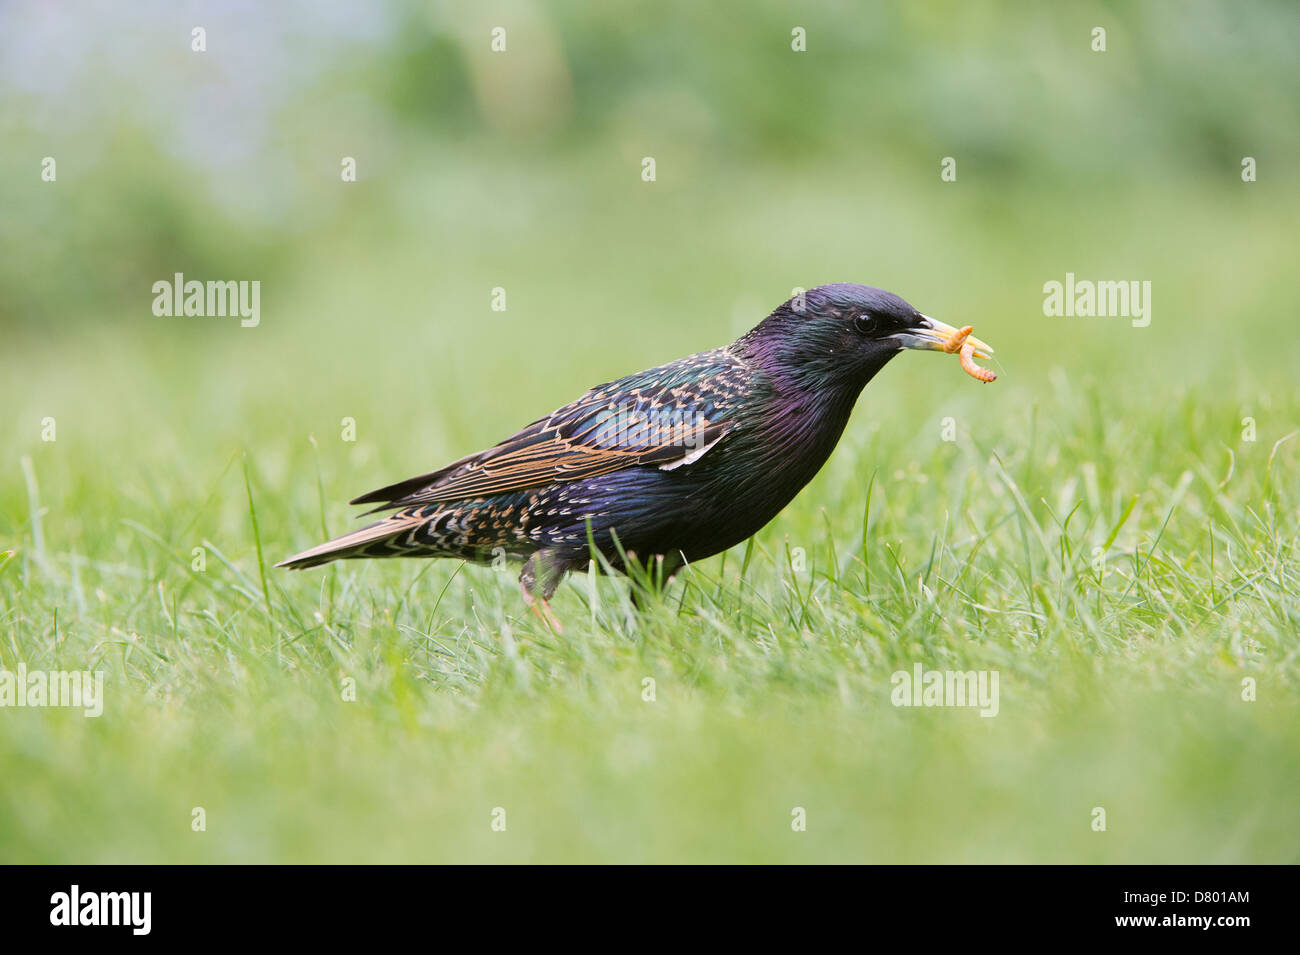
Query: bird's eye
pixel 866 323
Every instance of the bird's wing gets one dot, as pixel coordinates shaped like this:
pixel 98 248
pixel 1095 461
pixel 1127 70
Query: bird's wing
pixel 665 417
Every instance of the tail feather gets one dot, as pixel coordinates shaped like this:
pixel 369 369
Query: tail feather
pixel 359 543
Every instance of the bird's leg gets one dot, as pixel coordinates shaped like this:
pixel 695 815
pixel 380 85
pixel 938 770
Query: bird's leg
pixel 543 610
pixel 551 576
pixel 658 575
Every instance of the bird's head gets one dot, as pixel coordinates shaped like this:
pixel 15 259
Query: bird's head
pixel 839 336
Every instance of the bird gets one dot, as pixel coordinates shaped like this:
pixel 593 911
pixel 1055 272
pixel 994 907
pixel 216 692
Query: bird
pixel 663 467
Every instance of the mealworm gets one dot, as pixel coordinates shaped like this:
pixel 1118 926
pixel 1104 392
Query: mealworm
pixel 958 343
pixel 953 345
pixel 968 363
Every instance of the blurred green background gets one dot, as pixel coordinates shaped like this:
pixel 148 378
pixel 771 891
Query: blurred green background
pixel 775 169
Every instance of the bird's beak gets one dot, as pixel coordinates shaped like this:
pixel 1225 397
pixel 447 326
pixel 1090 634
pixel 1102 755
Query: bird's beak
pixel 933 334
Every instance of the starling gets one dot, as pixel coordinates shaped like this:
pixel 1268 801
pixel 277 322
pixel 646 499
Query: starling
pixel 667 465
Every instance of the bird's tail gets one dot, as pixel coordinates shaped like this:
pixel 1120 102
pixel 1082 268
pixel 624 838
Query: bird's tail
pixel 379 539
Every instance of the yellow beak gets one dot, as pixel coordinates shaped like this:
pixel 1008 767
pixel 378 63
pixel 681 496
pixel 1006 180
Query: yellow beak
pixel 935 336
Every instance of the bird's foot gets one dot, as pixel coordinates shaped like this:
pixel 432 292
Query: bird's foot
pixel 542 608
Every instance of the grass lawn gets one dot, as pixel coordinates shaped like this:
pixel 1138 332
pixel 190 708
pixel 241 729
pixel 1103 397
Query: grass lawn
pixel 1105 529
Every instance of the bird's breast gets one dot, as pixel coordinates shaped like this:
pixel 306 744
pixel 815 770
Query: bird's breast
pixel 756 471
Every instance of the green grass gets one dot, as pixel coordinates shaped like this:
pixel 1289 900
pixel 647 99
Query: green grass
pixel 1105 531
pixel 1121 678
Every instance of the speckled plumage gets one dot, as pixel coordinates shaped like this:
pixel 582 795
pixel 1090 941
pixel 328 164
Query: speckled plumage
pixel 680 461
